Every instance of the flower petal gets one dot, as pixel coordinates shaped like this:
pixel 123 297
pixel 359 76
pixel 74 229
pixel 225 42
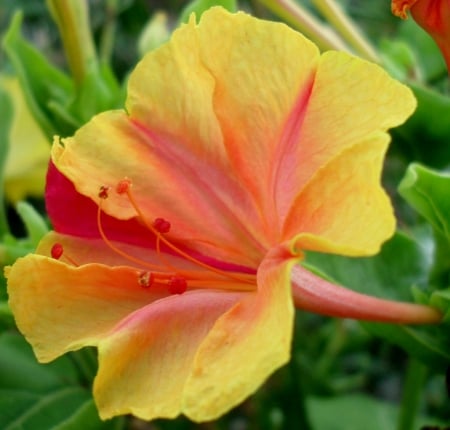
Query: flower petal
pixel 245 345
pixel 62 308
pixel 76 215
pixel 146 360
pixel 401 7
pixel 434 17
pixel 244 79
pixel 350 100
pixel 203 143
pixel 197 217
pixel 343 209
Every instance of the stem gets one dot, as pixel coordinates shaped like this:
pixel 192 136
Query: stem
pixel 304 21
pixel 415 378
pixel 7 115
pixel 348 30
pixel 72 18
pixel 314 294
pixel 108 32
pixel 293 398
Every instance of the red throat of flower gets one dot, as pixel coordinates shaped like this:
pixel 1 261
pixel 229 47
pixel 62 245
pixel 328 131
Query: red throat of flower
pixel 162 272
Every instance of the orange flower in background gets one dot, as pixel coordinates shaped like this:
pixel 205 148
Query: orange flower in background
pixel 179 221
pixel 433 16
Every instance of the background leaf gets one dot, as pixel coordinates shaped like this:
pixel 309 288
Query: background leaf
pixel 37 396
pixel 428 191
pixel 402 263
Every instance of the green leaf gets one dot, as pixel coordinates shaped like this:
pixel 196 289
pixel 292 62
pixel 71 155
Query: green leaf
pixel 37 396
pixel 200 6
pixel 86 418
pixel 355 412
pixel 42 83
pixel 351 413
pixel 20 370
pixel 98 92
pixel 427 191
pixel 425 136
pixel 401 264
pixel 441 299
pixel 427 344
pixel 6 316
pixel 428 56
pixel 40 412
pixel 34 223
pixel 398 58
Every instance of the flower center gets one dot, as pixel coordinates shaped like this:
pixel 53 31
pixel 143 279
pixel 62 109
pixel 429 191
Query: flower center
pixel 162 272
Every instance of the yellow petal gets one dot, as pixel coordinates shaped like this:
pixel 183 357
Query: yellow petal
pixel 343 209
pixel 350 100
pixel 246 344
pixel 231 96
pixel 201 143
pixel 61 308
pixel 110 148
pixel 144 363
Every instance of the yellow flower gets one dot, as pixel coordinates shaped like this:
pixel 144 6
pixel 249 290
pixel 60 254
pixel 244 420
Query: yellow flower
pixel 179 221
pixel 28 148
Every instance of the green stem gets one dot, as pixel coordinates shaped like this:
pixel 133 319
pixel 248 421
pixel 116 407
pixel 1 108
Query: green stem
pixel 346 28
pixel 305 22
pixel 72 18
pixel 415 378
pixel 294 404
pixel 108 32
pixel 7 116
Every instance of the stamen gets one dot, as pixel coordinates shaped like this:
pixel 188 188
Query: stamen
pixel 164 274
pixel 161 225
pixel 104 192
pixel 161 256
pixel 125 184
pixel 123 254
pixel 57 251
pixel 177 285
pixel 145 279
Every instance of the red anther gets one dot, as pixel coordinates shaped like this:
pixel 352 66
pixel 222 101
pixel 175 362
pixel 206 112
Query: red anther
pixel 145 279
pixel 177 285
pixel 57 251
pixel 123 185
pixel 104 192
pixel 161 225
